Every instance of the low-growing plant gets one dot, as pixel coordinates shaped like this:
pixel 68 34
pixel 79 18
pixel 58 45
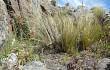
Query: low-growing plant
pixel 23 49
pixel 8 46
pixel 25 54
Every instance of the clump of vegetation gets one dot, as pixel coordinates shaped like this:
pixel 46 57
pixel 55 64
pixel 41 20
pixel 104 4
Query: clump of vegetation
pixel 67 34
pixel 61 32
pixel 103 46
pixel 25 54
pixel 66 30
pixel 8 46
pixel 89 30
pixel 23 49
pixel 21 28
pixel 81 33
pixel 106 33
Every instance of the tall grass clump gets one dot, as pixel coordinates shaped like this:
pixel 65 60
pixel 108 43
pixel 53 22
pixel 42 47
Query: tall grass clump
pixel 66 34
pixel 56 30
pixel 67 30
pixel 89 29
pixel 80 33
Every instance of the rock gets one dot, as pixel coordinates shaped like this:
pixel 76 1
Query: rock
pixel 83 62
pixel 103 64
pixel 4 23
pixel 69 10
pixel 2 44
pixel 53 2
pixel 21 67
pixel 35 65
pixel 55 61
pixel 9 63
pixel 62 68
pixel 108 66
pixel 12 61
pixel 53 64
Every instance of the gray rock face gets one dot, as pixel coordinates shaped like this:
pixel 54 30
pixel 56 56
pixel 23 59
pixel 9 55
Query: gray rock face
pixel 4 23
pixel 35 65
